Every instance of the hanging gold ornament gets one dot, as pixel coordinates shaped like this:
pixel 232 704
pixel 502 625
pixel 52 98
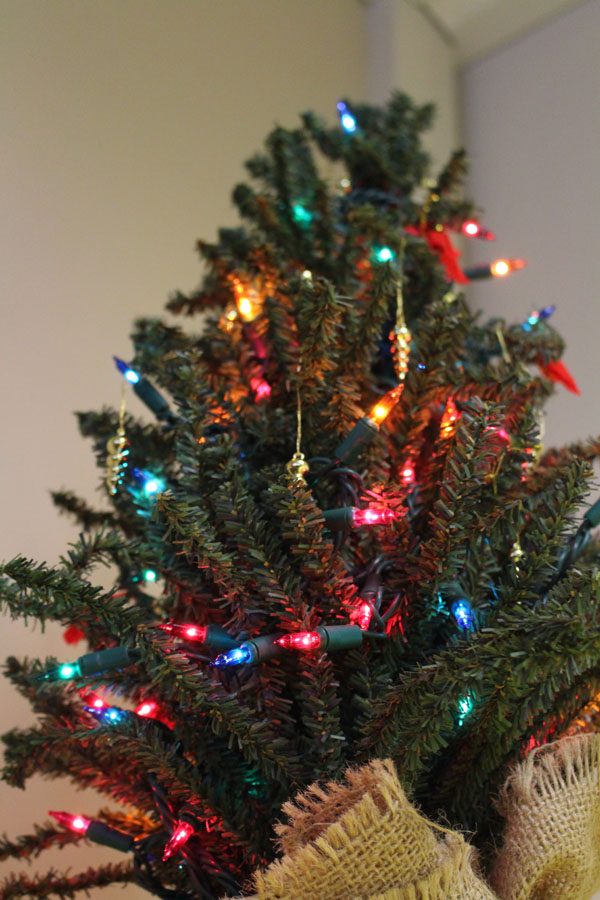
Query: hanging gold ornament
pixel 516 554
pixel 297 467
pixel 117 448
pixel 400 336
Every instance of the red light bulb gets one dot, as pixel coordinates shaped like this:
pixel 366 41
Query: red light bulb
pixel 147 709
pixel 407 473
pixel 372 516
pixel 90 698
pixel 78 824
pixel 261 388
pixel 300 640
pixel 362 614
pixel 188 632
pixel 182 832
pixel 473 229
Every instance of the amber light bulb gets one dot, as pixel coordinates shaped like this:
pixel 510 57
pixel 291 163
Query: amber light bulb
pixel 383 407
pixel 502 267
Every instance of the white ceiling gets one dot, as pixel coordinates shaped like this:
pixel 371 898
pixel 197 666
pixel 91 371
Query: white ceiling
pixel 477 27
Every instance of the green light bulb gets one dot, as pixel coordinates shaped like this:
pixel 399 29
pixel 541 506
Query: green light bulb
pixel 149 575
pixel 301 214
pixel 465 708
pixel 68 670
pixel 383 254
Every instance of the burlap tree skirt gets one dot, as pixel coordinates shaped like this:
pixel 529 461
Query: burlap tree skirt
pixel 363 839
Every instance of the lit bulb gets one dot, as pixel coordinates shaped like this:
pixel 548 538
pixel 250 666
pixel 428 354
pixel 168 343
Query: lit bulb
pixel 407 474
pixel 300 640
pixel 465 708
pixel 67 671
pixel 383 254
pixel 449 419
pixel 502 267
pixel 385 405
pixel 149 575
pixel 107 715
pixel 78 824
pixel 463 614
pixel 301 214
pixel 347 120
pixel 261 387
pixel 182 832
pixel 372 516
pixel 238 656
pixel 147 709
pixel 152 485
pixel 472 228
pixel 130 374
pixel 362 614
pixel 189 632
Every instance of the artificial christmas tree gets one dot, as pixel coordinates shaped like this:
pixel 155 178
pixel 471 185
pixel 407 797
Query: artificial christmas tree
pixel 361 548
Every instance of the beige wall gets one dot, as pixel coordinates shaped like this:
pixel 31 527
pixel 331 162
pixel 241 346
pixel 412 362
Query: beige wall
pixel 125 123
pixel 532 123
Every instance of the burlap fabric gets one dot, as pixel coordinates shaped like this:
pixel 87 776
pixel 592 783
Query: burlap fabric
pixel 363 840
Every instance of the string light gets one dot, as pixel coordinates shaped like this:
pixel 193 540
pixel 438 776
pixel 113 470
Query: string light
pixel 94 830
pixel 92 664
pixel 250 652
pixel 382 254
pixel 407 473
pixel 146 391
pixel 301 214
pixel 212 636
pixel 465 708
pixel 324 637
pixel 261 388
pixel 108 715
pixel 463 613
pixel 248 301
pixel 345 517
pixel 347 120
pixel 182 832
pixel 449 419
pixel 362 614
pixel 472 228
pixel 147 709
pixel 367 427
pixel 499 268
pixel 151 485
pixel 538 316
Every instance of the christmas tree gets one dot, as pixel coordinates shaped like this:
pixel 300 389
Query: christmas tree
pixel 336 538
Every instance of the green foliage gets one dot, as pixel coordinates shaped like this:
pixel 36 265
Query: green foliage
pixel 237 541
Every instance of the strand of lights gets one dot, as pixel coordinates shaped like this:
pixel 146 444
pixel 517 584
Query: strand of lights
pixel 324 637
pixel 346 517
pixel 94 830
pixel 146 391
pixel 182 832
pixel 473 229
pixel 93 664
pixel 212 636
pixel 367 427
pixel 499 268
pixel 347 120
pixel 249 653
pixel 538 316
pixel 449 419
pixel 463 614
pixel 149 576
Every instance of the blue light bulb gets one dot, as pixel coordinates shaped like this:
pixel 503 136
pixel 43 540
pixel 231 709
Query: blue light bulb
pixel 383 254
pixel 130 374
pixel 347 120
pixel 108 715
pixel 238 656
pixel 152 485
pixel 463 613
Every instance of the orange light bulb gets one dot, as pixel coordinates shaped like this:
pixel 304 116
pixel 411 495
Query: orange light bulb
pixel 383 407
pixel 502 267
